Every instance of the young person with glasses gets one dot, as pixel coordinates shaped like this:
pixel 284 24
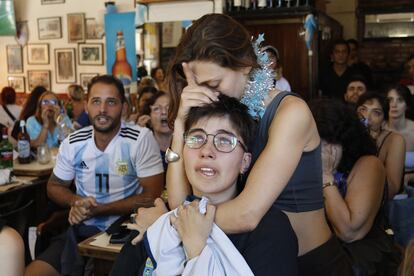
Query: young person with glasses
pixel 215 154
pixel 42 127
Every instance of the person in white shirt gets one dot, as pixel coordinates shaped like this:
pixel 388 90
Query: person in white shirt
pixel 115 169
pixel 280 83
pixel 9 110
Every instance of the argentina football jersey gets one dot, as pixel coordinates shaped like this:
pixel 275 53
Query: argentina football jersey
pixel 112 174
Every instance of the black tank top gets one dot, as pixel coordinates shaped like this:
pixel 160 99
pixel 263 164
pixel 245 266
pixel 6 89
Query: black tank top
pixel 303 192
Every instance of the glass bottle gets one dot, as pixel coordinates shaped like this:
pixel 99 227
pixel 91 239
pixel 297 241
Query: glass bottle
pixel 6 151
pixel 23 144
pixel 121 68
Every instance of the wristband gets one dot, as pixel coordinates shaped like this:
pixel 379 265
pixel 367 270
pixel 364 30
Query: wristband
pixel 171 156
pixel 328 184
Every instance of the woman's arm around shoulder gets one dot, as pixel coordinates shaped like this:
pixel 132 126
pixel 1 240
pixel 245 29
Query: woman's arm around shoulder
pixel 394 163
pixel 352 217
pixel 291 132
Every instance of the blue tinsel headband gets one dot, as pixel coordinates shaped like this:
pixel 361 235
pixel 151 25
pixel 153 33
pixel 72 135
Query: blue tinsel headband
pixel 260 82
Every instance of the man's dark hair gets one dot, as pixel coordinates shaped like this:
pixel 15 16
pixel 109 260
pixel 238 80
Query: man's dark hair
pixel 339 42
pixel 227 107
pixel 353 41
pixel 373 95
pixel 111 80
pixel 359 78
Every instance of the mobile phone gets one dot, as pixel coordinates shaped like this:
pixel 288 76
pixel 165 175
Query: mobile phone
pixel 121 236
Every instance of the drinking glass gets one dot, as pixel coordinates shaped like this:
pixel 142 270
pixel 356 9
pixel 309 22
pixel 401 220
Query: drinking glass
pixel 43 154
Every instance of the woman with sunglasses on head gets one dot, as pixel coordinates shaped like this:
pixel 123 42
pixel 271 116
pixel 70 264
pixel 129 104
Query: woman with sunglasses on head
pixel 155 111
pixel 373 109
pixel 216 56
pixel 42 127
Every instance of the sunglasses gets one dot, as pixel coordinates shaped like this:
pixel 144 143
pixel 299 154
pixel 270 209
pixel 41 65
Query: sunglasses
pixel 223 141
pixel 49 102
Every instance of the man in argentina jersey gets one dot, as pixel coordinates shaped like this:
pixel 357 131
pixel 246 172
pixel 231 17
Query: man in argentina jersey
pixel 115 170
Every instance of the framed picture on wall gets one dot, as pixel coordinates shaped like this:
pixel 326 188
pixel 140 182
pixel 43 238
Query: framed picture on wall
pixel 47 2
pixel 65 65
pixel 17 83
pixel 93 30
pixel 38 53
pixel 85 78
pixel 38 77
pixel 76 27
pixel 49 28
pixel 90 53
pixel 14 59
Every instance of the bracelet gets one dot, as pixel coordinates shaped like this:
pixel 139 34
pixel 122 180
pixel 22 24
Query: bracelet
pixel 171 156
pixel 328 184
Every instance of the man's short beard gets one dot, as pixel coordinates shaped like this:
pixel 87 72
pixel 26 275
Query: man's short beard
pixel 114 124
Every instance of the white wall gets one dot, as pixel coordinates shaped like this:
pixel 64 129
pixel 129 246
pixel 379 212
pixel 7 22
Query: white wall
pixel 31 10
pixel 344 12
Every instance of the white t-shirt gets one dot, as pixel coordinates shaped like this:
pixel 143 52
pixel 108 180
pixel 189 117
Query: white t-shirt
pixel 110 175
pixel 282 84
pixel 5 118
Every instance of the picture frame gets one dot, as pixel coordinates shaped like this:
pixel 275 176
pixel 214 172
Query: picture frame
pixel 49 2
pixel 76 27
pixel 17 82
pixel 38 77
pixel 14 59
pixel 49 28
pixel 93 30
pixel 90 53
pixel 84 79
pixel 65 64
pixel 38 53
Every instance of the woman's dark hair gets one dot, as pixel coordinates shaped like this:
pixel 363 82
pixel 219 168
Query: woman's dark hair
pixel 226 107
pixel 8 95
pixel 372 95
pixel 146 110
pixel 147 89
pixel 30 106
pixel 404 93
pixel 337 123
pixel 216 38
pixel 154 71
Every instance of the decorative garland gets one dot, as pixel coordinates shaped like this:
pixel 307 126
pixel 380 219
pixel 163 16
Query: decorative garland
pixel 260 82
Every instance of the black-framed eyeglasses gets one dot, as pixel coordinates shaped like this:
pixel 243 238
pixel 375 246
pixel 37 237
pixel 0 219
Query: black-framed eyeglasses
pixel 223 141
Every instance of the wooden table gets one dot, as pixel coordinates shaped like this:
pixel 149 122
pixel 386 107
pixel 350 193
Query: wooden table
pixel 99 248
pixel 34 168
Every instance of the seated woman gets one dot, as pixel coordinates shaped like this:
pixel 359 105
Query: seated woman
pixel 77 96
pixel 353 187
pixel 42 127
pixel 391 146
pixel 155 113
pixel 400 121
pixel 213 167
